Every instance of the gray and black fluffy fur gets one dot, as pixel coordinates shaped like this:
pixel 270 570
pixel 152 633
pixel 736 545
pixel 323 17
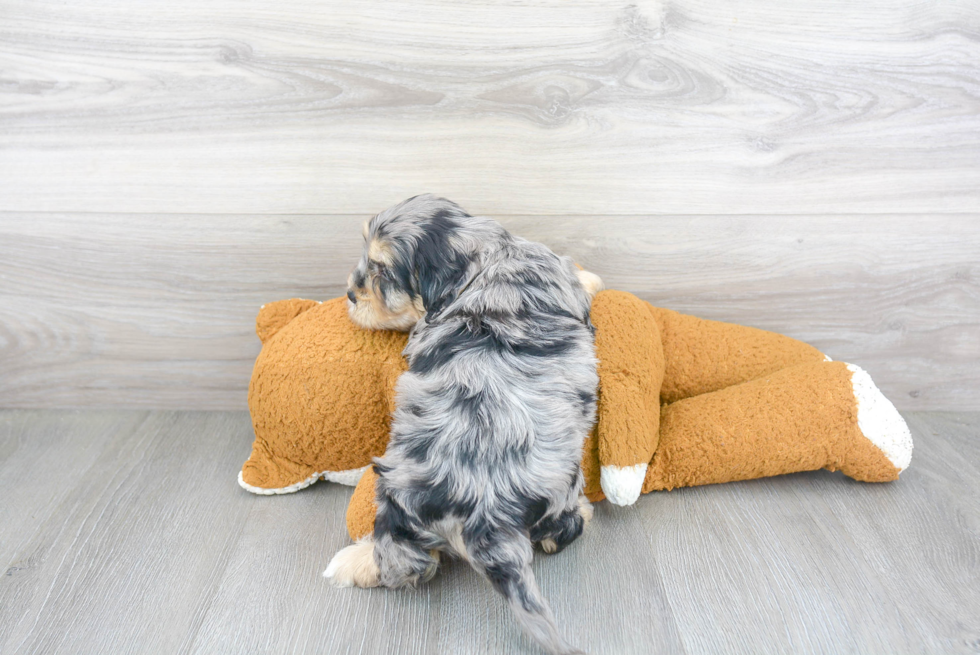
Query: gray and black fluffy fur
pixel 486 441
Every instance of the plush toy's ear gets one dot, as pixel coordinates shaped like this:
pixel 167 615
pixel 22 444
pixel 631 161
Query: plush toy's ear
pixel 274 315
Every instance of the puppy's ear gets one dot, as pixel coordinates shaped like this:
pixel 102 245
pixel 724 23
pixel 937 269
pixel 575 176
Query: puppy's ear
pixel 440 281
pixel 440 269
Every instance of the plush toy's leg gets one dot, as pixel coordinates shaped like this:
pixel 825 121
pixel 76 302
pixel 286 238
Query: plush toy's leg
pixel 362 508
pixel 631 368
pixel 704 356
pixel 811 416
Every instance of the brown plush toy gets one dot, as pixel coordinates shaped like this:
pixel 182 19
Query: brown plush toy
pixel 682 402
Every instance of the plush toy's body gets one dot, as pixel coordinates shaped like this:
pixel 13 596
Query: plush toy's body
pixel 682 402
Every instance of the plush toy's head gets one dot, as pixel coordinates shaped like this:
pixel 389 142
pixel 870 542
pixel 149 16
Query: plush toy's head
pixel 321 395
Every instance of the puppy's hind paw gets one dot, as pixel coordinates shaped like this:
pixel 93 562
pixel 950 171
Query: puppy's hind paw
pixel 585 509
pixel 354 566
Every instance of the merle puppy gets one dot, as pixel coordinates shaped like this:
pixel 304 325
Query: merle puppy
pixel 487 436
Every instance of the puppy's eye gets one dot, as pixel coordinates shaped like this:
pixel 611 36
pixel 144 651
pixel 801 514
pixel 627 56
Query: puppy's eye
pixel 384 273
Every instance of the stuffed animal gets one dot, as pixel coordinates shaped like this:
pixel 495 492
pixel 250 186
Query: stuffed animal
pixel 682 401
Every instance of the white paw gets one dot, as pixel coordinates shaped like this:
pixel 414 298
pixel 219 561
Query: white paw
pixel 879 421
pixel 622 484
pixel 585 509
pixel 549 546
pixel 354 566
pixel 592 283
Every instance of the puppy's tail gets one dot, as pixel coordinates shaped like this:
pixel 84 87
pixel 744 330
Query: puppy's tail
pixel 506 562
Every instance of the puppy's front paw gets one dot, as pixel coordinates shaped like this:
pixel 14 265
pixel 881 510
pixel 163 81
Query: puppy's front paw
pixel 354 566
pixel 549 546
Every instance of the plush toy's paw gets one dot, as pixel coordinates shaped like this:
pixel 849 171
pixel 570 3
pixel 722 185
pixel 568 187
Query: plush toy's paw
pixel 879 421
pixel 354 566
pixel 622 484
pixel 592 283
pixel 253 470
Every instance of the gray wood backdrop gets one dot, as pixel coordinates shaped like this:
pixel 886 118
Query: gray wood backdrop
pixel 166 167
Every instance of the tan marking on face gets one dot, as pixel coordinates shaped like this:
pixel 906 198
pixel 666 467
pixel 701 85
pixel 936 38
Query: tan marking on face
pixel 379 252
pixel 371 312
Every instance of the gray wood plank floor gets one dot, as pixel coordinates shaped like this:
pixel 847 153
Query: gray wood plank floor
pixel 125 531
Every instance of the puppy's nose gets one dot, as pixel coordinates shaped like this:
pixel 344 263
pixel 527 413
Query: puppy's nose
pixel 351 297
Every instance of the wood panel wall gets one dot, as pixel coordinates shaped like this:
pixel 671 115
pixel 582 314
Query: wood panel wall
pixel 167 167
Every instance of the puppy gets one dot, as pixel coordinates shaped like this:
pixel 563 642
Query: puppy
pixel 490 418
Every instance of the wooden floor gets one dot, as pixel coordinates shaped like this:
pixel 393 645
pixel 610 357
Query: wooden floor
pixel 125 531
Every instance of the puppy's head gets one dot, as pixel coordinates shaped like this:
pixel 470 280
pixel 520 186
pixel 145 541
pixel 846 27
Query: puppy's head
pixel 417 256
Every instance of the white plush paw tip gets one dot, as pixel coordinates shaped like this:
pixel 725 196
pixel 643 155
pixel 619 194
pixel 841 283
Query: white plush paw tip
pixel 593 283
pixel 879 421
pixel 622 484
